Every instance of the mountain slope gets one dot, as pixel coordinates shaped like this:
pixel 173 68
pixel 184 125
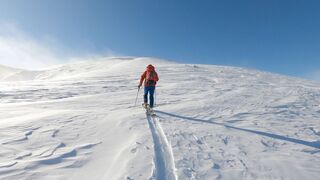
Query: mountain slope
pixel 7 71
pixel 12 74
pixel 78 121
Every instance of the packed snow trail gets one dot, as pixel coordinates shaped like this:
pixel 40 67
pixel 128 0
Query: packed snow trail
pixel 164 160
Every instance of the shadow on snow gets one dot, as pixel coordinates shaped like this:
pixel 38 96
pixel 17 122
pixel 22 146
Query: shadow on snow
pixel 314 144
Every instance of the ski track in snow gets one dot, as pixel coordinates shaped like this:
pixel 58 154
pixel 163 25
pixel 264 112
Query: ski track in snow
pixel 164 159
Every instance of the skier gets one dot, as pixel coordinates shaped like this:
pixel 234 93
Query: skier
pixel 150 78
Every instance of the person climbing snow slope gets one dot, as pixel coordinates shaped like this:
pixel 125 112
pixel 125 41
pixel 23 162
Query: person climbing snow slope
pixel 150 78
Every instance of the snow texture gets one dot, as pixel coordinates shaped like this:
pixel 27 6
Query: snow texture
pixel 78 121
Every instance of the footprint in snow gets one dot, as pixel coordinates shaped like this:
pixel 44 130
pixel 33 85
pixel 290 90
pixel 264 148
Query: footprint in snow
pixel 216 166
pixel 134 150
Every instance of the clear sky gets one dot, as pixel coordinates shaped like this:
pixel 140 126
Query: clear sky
pixel 280 36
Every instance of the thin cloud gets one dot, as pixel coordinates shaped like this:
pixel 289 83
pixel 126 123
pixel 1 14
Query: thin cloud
pixel 314 75
pixel 19 50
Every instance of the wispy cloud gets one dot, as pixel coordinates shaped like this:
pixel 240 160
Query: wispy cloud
pixel 21 50
pixel 314 75
pixel 17 49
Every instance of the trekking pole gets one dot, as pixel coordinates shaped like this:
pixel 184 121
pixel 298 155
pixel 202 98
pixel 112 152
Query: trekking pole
pixel 137 96
pixel 155 96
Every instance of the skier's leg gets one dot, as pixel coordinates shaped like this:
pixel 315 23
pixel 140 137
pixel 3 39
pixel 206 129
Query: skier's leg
pixel 145 95
pixel 151 93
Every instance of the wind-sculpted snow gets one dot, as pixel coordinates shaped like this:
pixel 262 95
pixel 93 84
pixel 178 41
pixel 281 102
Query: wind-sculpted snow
pixel 78 121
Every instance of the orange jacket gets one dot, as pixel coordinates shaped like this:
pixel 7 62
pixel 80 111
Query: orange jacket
pixel 154 79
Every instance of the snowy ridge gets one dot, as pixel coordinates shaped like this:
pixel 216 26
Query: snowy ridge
pixel 72 71
pixel 12 74
pixel 7 71
pixel 78 121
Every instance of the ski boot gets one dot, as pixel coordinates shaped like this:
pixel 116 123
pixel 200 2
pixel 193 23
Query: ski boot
pixel 151 111
pixel 145 105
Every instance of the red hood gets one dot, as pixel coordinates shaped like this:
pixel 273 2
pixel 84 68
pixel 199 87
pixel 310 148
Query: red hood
pixel 150 68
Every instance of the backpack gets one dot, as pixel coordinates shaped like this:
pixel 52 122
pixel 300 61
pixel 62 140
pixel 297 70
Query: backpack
pixel 151 78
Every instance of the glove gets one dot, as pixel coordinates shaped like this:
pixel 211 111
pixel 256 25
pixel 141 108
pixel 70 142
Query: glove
pixel 139 86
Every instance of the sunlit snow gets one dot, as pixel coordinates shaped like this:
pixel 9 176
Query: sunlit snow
pixel 78 121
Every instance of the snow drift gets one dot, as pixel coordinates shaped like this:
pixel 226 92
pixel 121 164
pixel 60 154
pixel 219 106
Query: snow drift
pixel 78 121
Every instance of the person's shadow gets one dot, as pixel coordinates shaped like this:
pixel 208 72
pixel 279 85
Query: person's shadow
pixel 314 144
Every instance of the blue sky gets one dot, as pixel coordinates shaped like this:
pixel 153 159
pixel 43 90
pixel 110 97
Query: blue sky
pixel 281 36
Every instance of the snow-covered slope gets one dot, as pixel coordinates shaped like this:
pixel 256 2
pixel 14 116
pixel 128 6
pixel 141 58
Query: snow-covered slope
pixel 78 121
pixel 5 72
pixel 12 74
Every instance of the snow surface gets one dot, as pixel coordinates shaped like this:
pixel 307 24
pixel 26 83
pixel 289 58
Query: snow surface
pixel 78 121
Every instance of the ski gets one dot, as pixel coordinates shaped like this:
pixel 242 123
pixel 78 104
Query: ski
pixel 149 111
